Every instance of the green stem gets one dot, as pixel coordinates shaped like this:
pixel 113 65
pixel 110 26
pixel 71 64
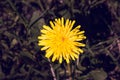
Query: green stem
pixel 52 71
pixel 69 71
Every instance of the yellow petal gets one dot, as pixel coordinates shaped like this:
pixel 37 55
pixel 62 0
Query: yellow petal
pixel 67 60
pixel 44 31
pixel 66 24
pixel 49 53
pixel 47 27
pixel 72 57
pixel 54 58
pixel 62 21
pixel 44 48
pixel 81 44
pixel 52 25
pixel 60 60
pixel 42 37
pixel 81 51
pixel 70 24
pixel 81 32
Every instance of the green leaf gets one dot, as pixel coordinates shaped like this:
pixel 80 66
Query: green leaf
pixel 37 19
pixel 98 74
pixel 65 13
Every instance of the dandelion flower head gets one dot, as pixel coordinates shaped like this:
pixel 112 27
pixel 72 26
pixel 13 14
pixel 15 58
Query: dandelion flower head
pixel 61 41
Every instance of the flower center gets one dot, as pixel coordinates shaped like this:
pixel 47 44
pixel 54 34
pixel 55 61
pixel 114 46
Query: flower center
pixel 63 39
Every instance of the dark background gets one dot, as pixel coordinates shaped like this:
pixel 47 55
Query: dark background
pixel 21 21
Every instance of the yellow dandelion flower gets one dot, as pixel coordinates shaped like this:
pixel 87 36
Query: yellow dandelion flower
pixel 60 41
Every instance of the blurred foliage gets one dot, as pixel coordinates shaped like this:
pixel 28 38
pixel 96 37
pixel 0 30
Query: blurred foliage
pixel 21 20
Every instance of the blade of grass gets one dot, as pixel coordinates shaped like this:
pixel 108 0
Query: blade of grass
pixel 24 21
